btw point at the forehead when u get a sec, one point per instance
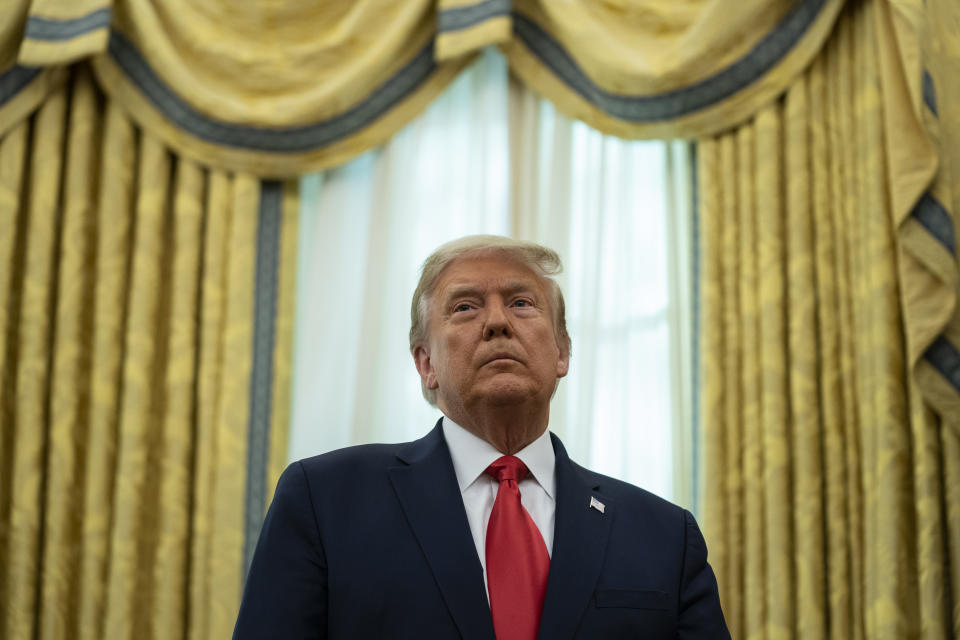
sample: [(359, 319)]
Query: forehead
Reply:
[(487, 272)]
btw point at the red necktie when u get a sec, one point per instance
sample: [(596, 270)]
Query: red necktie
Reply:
[(517, 558)]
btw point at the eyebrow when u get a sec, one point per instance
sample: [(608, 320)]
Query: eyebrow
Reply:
[(508, 288)]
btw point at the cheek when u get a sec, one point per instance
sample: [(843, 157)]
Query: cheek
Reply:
[(456, 347), (448, 357)]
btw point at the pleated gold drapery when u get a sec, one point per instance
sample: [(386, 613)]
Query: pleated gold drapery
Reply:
[(832, 504), (133, 298)]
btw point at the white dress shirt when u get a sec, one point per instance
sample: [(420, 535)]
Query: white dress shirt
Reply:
[(472, 455)]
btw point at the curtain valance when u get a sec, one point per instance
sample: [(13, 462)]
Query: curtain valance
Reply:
[(664, 69), (276, 88), (280, 88)]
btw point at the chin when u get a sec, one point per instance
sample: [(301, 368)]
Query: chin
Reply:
[(508, 394), (507, 400)]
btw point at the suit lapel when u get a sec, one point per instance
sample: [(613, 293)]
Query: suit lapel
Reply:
[(579, 544), (426, 486)]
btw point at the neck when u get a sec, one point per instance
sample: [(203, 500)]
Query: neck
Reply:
[(508, 428)]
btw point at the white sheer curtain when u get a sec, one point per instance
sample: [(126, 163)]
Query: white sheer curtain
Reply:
[(490, 157)]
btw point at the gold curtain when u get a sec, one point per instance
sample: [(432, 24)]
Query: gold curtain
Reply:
[(279, 88), (129, 399), (276, 89), (665, 69), (832, 506)]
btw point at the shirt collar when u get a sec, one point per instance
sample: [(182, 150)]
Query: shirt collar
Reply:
[(472, 455)]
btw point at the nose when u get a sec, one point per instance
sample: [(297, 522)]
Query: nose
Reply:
[(497, 323)]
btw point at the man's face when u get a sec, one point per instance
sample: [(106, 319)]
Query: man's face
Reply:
[(491, 336)]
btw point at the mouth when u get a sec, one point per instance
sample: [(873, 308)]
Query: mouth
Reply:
[(501, 358)]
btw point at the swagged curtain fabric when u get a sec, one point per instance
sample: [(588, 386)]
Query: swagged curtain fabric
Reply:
[(282, 88), (829, 303)]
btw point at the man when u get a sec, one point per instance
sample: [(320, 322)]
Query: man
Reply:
[(484, 527)]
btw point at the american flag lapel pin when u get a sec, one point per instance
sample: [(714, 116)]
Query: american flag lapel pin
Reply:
[(596, 504)]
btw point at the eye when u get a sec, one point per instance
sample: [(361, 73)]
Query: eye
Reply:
[(463, 306), (522, 303)]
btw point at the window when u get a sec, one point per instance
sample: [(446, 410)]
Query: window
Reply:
[(490, 157)]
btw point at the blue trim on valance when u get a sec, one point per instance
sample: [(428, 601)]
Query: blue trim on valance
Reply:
[(39, 28), (680, 102), (15, 79), (935, 219), (274, 140), (945, 358), (266, 293), (464, 17)]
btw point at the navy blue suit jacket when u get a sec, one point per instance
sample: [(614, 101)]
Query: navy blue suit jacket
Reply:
[(373, 542)]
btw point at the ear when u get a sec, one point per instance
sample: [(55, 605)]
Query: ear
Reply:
[(563, 362), (421, 357)]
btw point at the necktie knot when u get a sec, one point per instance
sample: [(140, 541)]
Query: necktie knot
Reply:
[(508, 468)]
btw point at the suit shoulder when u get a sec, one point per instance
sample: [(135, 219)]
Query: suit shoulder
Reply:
[(350, 460), (629, 495)]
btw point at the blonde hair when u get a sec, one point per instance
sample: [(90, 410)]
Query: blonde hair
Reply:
[(541, 260)]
